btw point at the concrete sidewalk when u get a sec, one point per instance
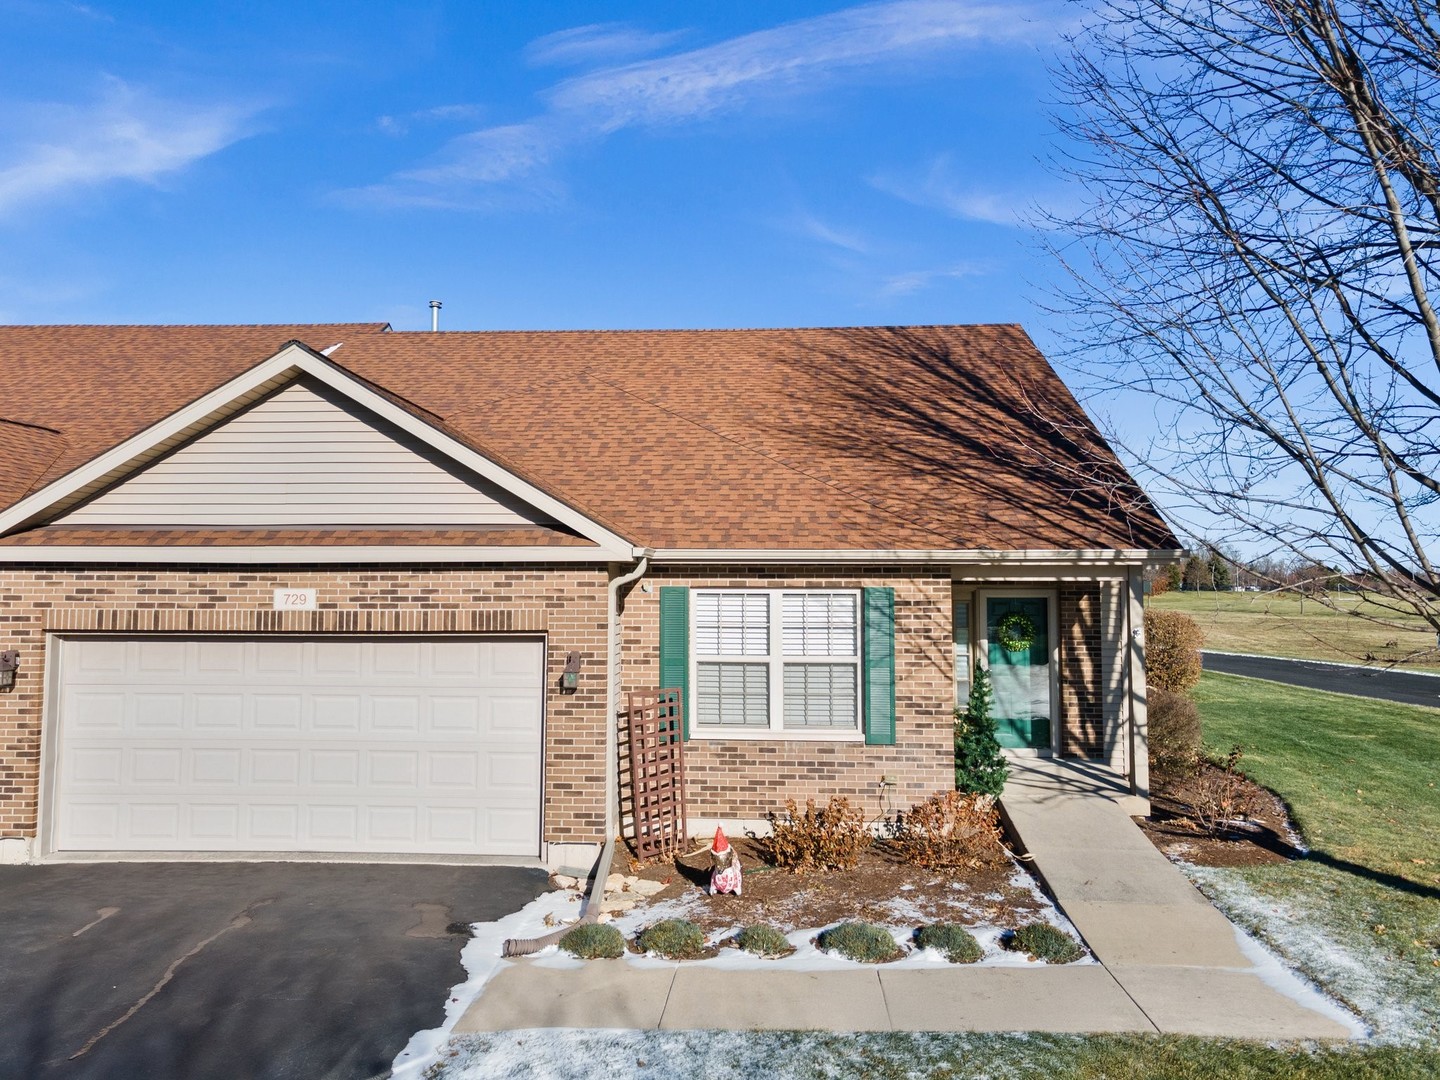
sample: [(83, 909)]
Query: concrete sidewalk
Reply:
[(1176, 957), (1169, 962)]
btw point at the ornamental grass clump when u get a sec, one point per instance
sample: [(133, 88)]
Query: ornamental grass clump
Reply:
[(764, 941), (674, 939), (860, 941), (830, 839), (953, 942), (591, 941), (1045, 942)]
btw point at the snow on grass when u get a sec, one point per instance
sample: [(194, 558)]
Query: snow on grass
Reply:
[(562, 1054), (1309, 931)]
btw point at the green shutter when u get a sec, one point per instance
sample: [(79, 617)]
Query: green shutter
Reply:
[(879, 661), (675, 644)]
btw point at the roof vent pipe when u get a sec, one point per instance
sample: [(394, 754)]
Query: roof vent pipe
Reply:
[(435, 306)]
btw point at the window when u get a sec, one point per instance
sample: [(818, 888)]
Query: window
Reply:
[(961, 635), (773, 661)]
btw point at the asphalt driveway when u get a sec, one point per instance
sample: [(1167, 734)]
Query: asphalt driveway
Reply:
[(232, 971), (1407, 687)]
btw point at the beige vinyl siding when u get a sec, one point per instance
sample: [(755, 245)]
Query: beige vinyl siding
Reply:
[(304, 457), (1113, 598)]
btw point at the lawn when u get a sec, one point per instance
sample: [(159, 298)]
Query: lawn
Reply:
[(1269, 624), (1361, 914)]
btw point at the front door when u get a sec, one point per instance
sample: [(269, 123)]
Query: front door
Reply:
[(1018, 639)]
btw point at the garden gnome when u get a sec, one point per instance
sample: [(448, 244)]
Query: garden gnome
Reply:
[(724, 866)]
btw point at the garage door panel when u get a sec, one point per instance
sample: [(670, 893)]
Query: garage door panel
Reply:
[(96, 710), (513, 717), (256, 745), (218, 712)]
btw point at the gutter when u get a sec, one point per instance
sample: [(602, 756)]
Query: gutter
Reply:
[(590, 908), (1097, 557)]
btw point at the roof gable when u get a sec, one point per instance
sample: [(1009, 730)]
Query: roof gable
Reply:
[(304, 457), (150, 480)]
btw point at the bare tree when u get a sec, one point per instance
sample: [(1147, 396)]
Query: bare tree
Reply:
[(1258, 257)]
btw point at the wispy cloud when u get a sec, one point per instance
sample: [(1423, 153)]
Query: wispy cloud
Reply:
[(802, 57), (915, 280), (126, 135), (808, 225), (437, 114), (598, 43), (937, 187)]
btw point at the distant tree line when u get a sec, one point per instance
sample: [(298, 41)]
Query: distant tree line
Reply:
[(1212, 570)]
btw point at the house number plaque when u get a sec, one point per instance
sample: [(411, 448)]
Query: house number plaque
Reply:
[(296, 600)]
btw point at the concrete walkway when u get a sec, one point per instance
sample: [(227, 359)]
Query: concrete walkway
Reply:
[(1169, 962)]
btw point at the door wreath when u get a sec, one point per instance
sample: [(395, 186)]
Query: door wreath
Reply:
[(1015, 632)]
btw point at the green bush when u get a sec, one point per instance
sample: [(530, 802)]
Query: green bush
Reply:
[(1174, 726), (980, 767), (1045, 942), (1172, 650), (955, 942), (865, 942), (591, 941), (674, 939), (764, 941)]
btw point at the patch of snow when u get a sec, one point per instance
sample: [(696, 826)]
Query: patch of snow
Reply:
[(1365, 980), (481, 960), (1274, 974)]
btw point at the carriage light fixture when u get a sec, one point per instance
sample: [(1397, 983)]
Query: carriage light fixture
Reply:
[(570, 677), (9, 663)]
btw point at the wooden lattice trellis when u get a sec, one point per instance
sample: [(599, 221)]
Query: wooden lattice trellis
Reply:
[(657, 771)]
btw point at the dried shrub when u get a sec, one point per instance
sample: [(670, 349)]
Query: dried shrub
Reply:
[(674, 939), (830, 839), (1172, 650), (950, 830), (1174, 734), (956, 943), (860, 941), (764, 941), (592, 941), (1041, 941), (1222, 795)]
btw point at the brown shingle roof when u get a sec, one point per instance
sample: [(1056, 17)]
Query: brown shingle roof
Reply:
[(859, 438)]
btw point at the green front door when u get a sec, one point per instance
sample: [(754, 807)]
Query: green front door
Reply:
[(1017, 630)]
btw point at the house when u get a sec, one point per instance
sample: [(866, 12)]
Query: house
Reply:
[(315, 588)]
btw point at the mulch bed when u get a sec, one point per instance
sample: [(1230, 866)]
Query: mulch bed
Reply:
[(883, 888), (1265, 837)]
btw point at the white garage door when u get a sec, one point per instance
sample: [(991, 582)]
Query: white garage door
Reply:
[(273, 744)]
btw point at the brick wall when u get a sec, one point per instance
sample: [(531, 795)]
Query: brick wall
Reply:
[(735, 778), (565, 603), (1082, 705)]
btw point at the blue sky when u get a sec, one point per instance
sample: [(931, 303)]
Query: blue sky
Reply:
[(552, 165)]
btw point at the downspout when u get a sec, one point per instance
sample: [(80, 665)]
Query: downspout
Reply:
[(590, 908)]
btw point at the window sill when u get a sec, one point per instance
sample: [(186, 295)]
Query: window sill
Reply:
[(772, 735)]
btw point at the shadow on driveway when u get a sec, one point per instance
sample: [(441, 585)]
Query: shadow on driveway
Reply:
[(233, 970)]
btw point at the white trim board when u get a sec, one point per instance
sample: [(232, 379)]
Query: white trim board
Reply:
[(289, 554), (289, 363), (986, 562)]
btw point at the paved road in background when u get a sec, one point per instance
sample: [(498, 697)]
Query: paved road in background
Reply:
[(1402, 686), (232, 971)]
